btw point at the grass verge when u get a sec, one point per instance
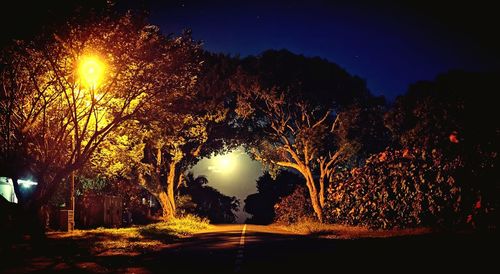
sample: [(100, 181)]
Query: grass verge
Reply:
[(136, 239), (336, 231)]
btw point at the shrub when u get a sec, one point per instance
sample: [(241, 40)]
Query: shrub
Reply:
[(398, 188), (294, 207)]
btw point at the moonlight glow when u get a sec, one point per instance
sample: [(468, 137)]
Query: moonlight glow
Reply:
[(224, 164)]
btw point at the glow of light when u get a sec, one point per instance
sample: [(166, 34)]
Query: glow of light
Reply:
[(26, 183), (91, 71), (224, 164)]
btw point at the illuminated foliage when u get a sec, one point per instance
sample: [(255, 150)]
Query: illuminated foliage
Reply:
[(170, 135), (398, 188), (293, 208), (60, 117)]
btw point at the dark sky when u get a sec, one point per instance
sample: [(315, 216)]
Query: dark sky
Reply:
[(389, 45)]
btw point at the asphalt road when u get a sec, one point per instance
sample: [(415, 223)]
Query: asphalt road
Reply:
[(262, 249)]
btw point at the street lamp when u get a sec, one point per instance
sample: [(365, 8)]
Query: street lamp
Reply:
[(90, 71), (90, 74)]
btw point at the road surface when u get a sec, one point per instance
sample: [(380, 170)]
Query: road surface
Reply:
[(263, 249)]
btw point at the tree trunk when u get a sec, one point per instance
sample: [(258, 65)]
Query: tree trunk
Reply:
[(166, 206), (167, 197), (322, 191), (315, 203), (313, 194), (171, 185)]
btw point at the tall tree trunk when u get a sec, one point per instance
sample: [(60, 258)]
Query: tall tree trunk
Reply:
[(166, 206), (167, 197), (171, 184), (314, 195)]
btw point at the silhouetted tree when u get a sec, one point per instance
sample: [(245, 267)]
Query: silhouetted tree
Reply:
[(269, 191)]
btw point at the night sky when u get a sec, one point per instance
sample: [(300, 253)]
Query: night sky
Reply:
[(388, 45)]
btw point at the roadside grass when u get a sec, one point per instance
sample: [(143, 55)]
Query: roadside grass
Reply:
[(337, 231), (179, 227), (133, 240)]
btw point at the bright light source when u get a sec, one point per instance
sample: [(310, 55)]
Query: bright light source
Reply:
[(91, 71), (224, 164), (26, 183)]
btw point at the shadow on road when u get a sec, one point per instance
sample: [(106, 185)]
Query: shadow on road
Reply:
[(264, 252)]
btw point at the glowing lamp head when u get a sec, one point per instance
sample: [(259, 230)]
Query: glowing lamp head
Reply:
[(90, 71)]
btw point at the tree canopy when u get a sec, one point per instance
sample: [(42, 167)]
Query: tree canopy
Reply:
[(52, 120)]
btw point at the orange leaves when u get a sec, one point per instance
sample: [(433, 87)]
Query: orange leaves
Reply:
[(406, 153), (355, 171), (382, 156)]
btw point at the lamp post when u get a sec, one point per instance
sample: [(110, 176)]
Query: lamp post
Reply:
[(90, 72)]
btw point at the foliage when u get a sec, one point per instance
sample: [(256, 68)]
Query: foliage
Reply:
[(171, 134), (52, 120), (398, 188), (202, 200), (454, 102), (452, 114), (269, 191), (294, 207), (315, 80)]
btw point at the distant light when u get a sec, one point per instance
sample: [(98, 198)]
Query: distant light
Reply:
[(26, 183), (224, 164)]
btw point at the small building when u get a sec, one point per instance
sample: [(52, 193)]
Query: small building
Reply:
[(99, 211), (7, 189)]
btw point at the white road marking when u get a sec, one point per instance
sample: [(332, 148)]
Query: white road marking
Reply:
[(242, 238), (241, 247)]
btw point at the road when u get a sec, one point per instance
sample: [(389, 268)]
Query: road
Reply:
[(263, 249)]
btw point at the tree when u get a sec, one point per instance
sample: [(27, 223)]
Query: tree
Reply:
[(298, 136), (58, 117), (170, 136), (452, 114), (309, 132)]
